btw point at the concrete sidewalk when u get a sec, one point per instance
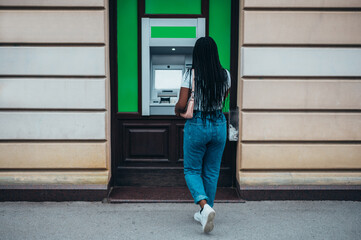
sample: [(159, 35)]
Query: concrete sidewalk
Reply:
[(339, 220)]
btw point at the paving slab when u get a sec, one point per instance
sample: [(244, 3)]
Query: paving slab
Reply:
[(339, 220)]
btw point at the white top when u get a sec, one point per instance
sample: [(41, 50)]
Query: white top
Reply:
[(187, 82)]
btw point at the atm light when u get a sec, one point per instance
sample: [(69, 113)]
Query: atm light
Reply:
[(173, 49)]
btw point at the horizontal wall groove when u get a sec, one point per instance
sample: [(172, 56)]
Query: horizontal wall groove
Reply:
[(302, 187), (302, 170), (301, 46), (58, 44), (298, 9), (287, 45), (54, 170), (52, 76), (79, 110), (252, 142), (300, 78), (303, 110), (51, 8), (245, 76), (50, 169), (18, 141), (54, 186), (299, 142), (55, 110)]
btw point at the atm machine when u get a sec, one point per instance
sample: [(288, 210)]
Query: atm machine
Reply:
[(167, 47)]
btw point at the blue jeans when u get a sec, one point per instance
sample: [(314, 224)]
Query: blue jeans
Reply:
[(203, 146)]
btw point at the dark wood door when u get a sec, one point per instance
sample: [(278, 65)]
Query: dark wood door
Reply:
[(149, 152)]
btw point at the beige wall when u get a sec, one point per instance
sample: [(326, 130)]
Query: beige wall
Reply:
[(54, 94), (299, 93)]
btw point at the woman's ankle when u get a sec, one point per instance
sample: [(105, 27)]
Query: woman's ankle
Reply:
[(202, 203)]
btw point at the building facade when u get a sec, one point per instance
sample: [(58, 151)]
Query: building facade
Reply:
[(299, 95), (70, 102)]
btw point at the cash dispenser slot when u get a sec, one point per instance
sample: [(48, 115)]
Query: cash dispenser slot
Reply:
[(167, 93)]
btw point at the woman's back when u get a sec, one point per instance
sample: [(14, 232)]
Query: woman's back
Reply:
[(216, 105), (210, 78), (212, 81)]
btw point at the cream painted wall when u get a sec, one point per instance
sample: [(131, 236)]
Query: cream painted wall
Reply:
[(299, 116), (299, 93), (54, 94)]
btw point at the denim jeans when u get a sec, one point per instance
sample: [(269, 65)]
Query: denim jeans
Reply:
[(203, 146)]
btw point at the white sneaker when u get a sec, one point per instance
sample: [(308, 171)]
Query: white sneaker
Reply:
[(207, 217), (198, 216)]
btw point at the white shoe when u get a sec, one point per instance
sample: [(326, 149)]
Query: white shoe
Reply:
[(207, 217), (198, 216)]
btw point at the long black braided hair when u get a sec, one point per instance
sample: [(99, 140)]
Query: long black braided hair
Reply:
[(210, 77)]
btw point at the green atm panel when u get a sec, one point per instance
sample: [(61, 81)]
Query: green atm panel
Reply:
[(127, 39), (127, 46), (220, 31)]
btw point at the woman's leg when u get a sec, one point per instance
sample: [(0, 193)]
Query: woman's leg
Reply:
[(212, 161), (194, 149), (196, 141)]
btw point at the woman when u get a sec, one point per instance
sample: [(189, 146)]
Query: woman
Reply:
[(205, 134)]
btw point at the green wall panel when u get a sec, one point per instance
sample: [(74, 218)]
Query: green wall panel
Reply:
[(220, 31), (127, 30), (173, 7), (173, 32)]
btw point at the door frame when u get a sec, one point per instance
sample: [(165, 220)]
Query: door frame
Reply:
[(113, 64)]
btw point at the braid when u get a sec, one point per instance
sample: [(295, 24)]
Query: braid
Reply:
[(210, 77)]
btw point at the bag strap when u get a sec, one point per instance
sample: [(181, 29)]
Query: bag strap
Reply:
[(192, 92)]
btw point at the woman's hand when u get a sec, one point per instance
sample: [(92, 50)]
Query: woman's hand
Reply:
[(176, 113)]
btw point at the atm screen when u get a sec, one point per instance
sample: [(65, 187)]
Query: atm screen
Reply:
[(167, 79)]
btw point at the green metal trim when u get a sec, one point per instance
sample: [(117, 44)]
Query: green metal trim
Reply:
[(173, 6), (173, 32)]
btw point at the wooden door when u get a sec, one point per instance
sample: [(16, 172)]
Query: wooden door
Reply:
[(150, 153)]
